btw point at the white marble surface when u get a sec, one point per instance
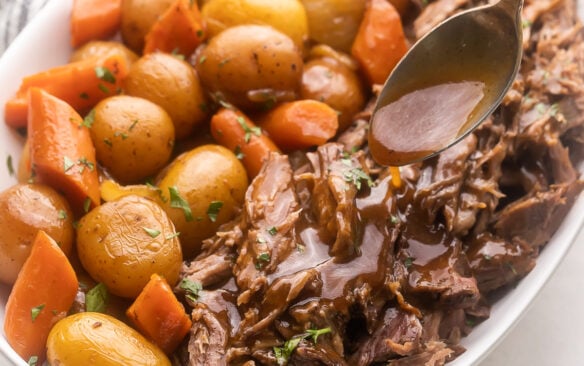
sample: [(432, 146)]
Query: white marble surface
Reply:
[(551, 333)]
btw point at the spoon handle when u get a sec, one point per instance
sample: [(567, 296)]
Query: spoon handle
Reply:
[(511, 7)]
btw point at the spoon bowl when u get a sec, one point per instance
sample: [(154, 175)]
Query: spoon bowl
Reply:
[(478, 47)]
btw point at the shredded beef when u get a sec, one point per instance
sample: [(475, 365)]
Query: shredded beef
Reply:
[(397, 272)]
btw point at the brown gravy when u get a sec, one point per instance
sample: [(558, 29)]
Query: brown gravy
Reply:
[(423, 121)]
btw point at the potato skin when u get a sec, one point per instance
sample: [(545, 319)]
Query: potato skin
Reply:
[(287, 16), (98, 339), (138, 16), (203, 175), (245, 61), (100, 49), (172, 84), (330, 81), (115, 248), (133, 137), (24, 210)]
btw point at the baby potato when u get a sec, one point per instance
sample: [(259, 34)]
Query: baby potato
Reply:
[(332, 82), (123, 242), (172, 84), (202, 189), (99, 339), (334, 22), (133, 137), (251, 65), (138, 16), (287, 16), (24, 210), (102, 48)]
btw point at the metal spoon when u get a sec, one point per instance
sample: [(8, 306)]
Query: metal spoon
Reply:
[(481, 46)]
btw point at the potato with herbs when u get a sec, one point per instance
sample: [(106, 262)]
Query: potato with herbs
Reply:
[(24, 210), (202, 189), (172, 84), (99, 339), (133, 137), (138, 16), (331, 81), (123, 242), (251, 66), (287, 16)]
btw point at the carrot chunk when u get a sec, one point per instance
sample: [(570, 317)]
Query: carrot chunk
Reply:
[(81, 84), (238, 133), (62, 154), (43, 293), (94, 19), (180, 29), (159, 316), (380, 42), (300, 124)]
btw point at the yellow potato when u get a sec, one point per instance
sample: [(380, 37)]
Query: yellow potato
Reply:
[(334, 22), (24, 210), (201, 177), (123, 242), (287, 16), (138, 16), (100, 339), (332, 82), (133, 137), (172, 84), (102, 48), (249, 65)]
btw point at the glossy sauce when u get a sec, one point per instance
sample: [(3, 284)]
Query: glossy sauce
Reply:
[(423, 121)]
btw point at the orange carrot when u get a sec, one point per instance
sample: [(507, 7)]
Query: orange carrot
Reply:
[(81, 84), (43, 293), (236, 132), (159, 316), (300, 124), (180, 29), (61, 151), (94, 19), (380, 42)]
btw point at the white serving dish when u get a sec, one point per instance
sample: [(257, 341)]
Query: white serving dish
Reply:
[(45, 43)]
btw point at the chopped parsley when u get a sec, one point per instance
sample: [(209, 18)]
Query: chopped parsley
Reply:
[(176, 201), (103, 88), (133, 125), (172, 236), (86, 163), (35, 312), (33, 360), (67, 163), (273, 231), (108, 142), (86, 205), (213, 210), (248, 130), (84, 95), (408, 262), (89, 119), (62, 215), (104, 74), (238, 153), (9, 165), (202, 59), (96, 299), (123, 135), (283, 353), (191, 288), (357, 176), (152, 232)]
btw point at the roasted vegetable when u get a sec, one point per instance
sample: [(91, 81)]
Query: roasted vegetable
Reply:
[(123, 242)]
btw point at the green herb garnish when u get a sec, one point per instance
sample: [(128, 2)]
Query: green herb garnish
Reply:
[(248, 130), (9, 165), (213, 210), (104, 74), (152, 232), (35, 312), (96, 299), (191, 288), (177, 201)]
